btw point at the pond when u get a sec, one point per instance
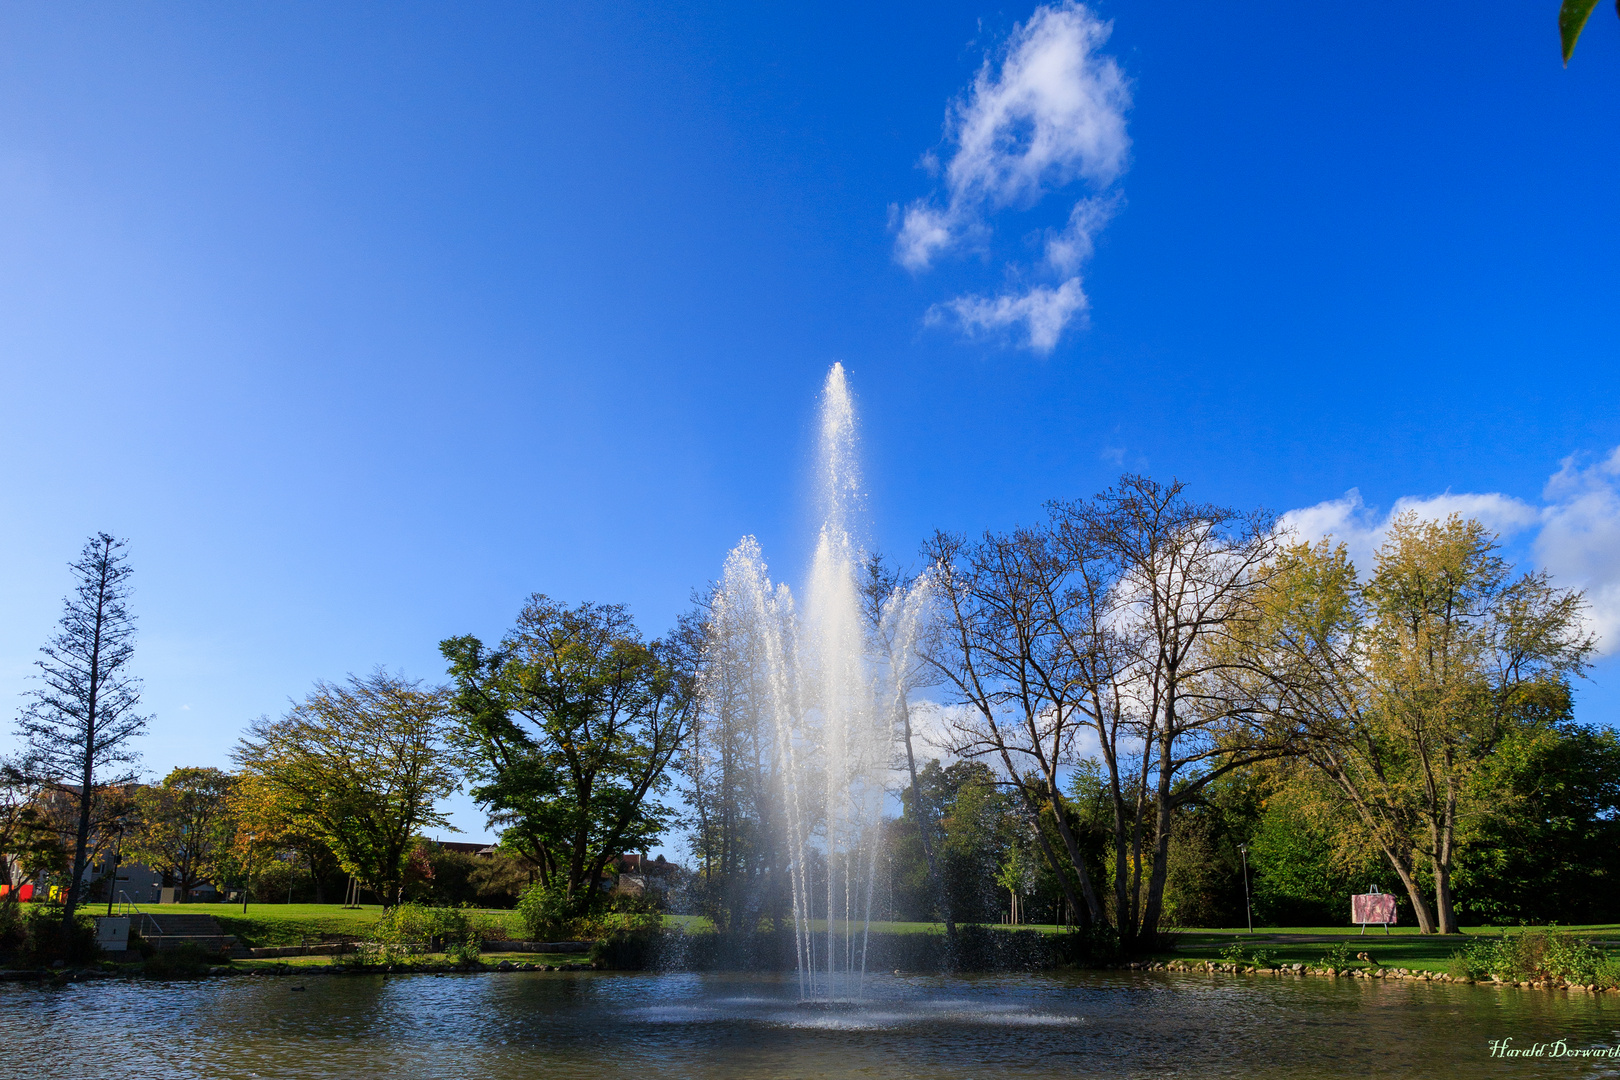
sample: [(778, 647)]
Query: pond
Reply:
[(610, 1025)]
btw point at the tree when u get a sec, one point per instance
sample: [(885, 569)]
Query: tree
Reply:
[(360, 766), (568, 727), (1548, 850), (20, 834), (184, 827), (1001, 645), (1400, 690), (894, 609), (1107, 621), (79, 725), (729, 767)]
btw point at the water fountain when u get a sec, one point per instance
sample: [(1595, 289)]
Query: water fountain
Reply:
[(831, 687)]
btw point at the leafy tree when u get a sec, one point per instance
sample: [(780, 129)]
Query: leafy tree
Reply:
[(1399, 691), (184, 827), (79, 725), (1549, 850), (21, 837), (730, 773), (568, 728), (361, 766)]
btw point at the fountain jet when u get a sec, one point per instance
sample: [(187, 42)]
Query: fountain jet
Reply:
[(828, 686)]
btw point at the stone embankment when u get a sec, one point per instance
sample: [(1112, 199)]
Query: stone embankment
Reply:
[(1394, 974)]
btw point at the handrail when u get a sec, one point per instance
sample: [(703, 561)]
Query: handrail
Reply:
[(127, 906)]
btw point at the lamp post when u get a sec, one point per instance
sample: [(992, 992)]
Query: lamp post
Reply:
[(247, 872), (118, 857), (1248, 908)]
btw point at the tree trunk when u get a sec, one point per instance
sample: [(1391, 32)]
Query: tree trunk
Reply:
[(1075, 855), (1420, 907), (1445, 915), (1149, 930)]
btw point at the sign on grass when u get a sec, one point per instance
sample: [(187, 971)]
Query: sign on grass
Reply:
[(1373, 907)]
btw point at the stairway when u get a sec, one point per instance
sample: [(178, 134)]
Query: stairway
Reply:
[(173, 931)]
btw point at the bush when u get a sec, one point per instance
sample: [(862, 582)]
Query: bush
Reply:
[(13, 931), (1338, 957), (546, 912), (435, 927), (1535, 955), (185, 962), (37, 930)]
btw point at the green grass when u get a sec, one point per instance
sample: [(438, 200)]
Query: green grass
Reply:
[(299, 924), (1408, 950), (431, 960)]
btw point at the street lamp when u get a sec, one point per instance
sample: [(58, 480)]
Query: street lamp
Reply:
[(1243, 850), (247, 872), (118, 857)]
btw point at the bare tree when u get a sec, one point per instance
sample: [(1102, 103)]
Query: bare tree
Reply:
[(1106, 624), (997, 647), (1187, 576), (80, 722)]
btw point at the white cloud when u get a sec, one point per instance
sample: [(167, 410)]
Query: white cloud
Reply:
[(1042, 311), (1068, 248), (1576, 531), (1579, 542), (1045, 113)]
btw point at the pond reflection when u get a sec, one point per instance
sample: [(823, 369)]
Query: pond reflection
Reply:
[(611, 1025)]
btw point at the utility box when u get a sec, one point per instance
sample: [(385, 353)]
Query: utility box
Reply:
[(168, 896), (112, 933)]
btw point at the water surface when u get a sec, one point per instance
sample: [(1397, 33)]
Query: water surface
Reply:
[(610, 1025)]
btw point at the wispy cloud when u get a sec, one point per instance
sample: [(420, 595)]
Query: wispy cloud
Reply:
[(1575, 532), (1042, 312), (1044, 113)]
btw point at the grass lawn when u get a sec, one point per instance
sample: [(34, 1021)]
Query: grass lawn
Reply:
[(1310, 944), (301, 924)]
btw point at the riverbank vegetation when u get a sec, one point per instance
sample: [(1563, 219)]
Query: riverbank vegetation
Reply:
[(1140, 715)]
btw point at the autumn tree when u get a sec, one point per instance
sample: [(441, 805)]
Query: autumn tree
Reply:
[(568, 727), (359, 765), (1399, 690), (20, 833), (184, 826), (80, 722)]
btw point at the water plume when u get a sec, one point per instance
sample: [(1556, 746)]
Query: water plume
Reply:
[(827, 686)]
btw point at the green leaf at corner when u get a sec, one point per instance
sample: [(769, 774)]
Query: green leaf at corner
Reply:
[(1571, 19)]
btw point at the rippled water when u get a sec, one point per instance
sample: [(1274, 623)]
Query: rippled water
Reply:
[(605, 1025)]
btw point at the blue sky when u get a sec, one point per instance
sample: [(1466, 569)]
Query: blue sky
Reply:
[(362, 322)]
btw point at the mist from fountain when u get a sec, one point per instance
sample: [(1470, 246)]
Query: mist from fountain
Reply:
[(829, 689)]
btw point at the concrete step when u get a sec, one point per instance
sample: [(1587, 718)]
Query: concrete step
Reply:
[(211, 943), (148, 924)]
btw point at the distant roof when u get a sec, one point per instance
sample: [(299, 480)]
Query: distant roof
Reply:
[(465, 848)]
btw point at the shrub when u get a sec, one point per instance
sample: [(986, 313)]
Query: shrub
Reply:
[(1536, 954), (185, 962), (43, 942), (385, 953), (13, 931), (545, 911)]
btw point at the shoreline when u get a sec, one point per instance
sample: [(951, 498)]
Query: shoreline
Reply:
[(1394, 974), (505, 967)]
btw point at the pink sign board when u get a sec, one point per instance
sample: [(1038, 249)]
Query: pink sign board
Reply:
[(1373, 908)]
